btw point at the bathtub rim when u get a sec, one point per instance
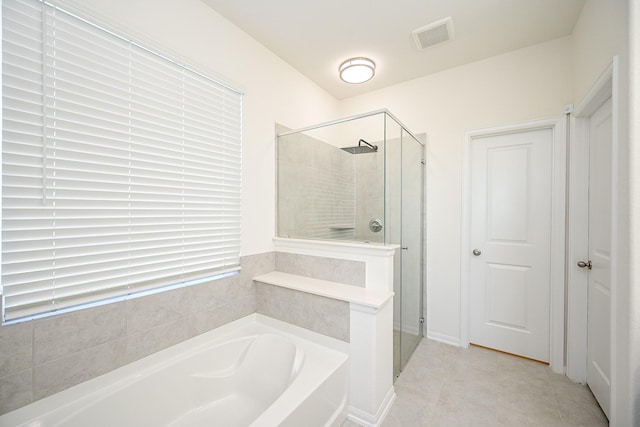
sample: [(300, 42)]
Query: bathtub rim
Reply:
[(254, 323)]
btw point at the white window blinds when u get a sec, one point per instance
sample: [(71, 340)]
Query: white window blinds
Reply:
[(120, 167)]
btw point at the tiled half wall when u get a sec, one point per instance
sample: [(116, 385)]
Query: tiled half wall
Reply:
[(41, 357)]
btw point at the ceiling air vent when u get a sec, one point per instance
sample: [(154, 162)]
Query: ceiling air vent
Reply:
[(434, 33)]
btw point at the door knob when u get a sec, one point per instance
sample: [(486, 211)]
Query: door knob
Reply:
[(477, 252), (583, 264)]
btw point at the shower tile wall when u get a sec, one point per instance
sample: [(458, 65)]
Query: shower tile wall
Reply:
[(370, 193), (316, 189), (41, 357), (331, 269)]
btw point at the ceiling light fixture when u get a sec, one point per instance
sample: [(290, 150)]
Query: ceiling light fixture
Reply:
[(357, 70)]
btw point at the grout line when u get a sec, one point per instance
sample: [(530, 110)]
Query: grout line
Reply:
[(33, 361)]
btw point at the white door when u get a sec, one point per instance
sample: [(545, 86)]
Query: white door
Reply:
[(599, 295), (510, 267)]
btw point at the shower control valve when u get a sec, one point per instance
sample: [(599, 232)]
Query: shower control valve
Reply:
[(375, 225)]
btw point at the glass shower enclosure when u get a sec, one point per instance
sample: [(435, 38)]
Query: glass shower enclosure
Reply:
[(360, 179)]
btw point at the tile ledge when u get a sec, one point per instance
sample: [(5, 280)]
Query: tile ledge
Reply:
[(327, 247), (352, 294)]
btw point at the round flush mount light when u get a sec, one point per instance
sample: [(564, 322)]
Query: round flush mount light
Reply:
[(357, 70)]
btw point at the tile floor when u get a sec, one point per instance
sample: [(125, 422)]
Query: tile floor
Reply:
[(445, 386)]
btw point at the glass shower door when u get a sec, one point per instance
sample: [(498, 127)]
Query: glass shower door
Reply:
[(404, 213), (412, 193), (393, 232)]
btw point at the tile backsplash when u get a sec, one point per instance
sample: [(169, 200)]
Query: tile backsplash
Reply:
[(332, 269), (319, 314), (41, 357)]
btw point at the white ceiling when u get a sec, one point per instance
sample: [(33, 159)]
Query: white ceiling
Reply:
[(316, 36)]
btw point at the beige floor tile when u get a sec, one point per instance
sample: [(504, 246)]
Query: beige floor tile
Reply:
[(446, 386), (349, 423), (411, 407), (511, 418)]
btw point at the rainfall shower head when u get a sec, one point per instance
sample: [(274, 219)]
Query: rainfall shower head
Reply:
[(367, 148)]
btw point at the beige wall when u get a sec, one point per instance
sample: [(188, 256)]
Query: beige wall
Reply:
[(523, 85), (599, 34)]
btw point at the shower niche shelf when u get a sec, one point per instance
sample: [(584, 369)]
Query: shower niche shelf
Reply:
[(338, 227)]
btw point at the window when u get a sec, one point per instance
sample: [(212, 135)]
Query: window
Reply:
[(120, 167)]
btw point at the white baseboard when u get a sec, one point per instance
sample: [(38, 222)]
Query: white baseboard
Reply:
[(369, 420), (446, 339)]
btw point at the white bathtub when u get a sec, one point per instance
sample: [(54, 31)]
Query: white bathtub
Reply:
[(254, 372)]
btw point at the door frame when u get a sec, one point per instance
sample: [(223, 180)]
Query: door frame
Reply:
[(606, 86), (558, 204)]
